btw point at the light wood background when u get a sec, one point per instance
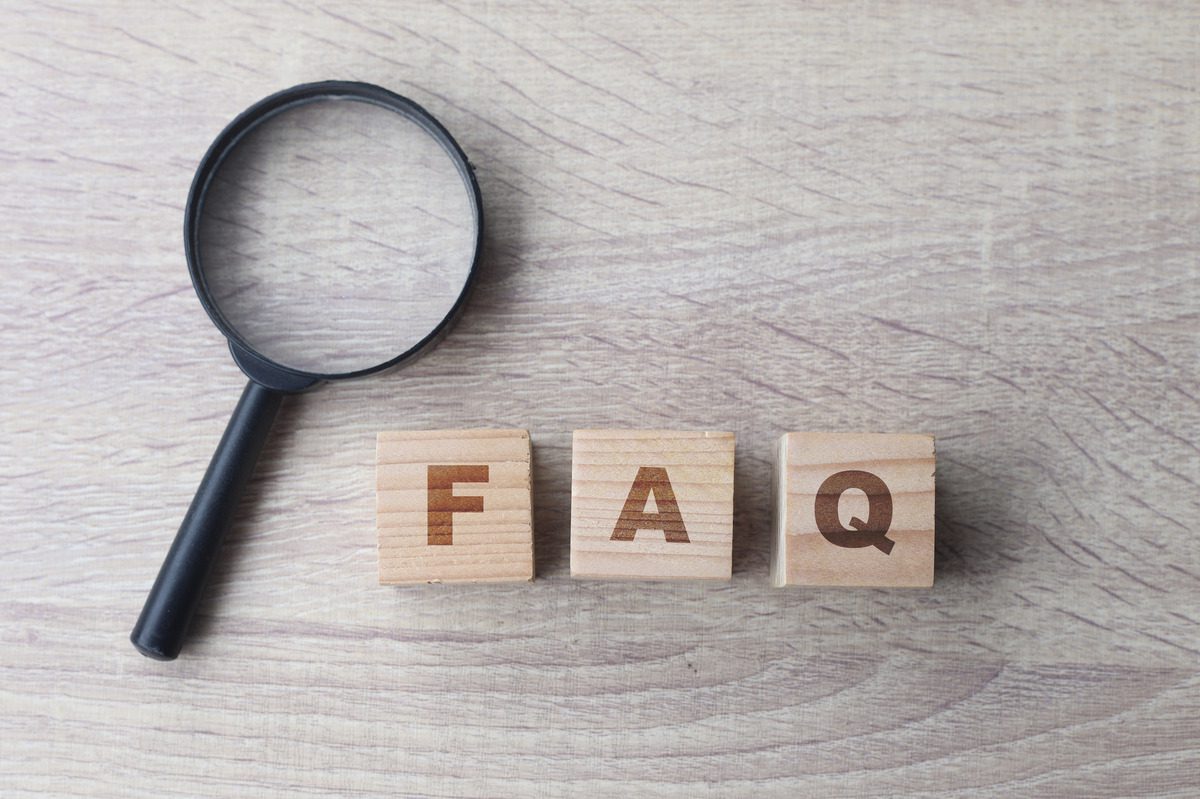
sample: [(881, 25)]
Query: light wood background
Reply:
[(975, 220)]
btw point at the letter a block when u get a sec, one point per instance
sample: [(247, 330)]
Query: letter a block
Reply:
[(853, 509), (454, 506), (652, 504)]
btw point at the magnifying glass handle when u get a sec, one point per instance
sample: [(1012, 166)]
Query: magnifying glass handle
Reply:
[(161, 628)]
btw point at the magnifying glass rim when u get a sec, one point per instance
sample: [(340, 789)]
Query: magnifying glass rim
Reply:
[(285, 100)]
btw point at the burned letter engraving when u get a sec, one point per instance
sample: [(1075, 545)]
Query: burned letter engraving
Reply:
[(651, 479), (443, 504), (872, 532)]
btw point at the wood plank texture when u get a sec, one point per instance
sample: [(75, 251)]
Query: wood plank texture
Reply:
[(652, 504), (454, 506), (872, 492), (972, 219)]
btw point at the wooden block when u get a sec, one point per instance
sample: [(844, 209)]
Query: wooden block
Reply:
[(652, 504), (853, 509), (454, 506)]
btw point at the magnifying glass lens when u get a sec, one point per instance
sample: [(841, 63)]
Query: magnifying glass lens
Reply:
[(335, 236)]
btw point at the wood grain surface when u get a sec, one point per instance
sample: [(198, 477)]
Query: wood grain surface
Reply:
[(975, 220)]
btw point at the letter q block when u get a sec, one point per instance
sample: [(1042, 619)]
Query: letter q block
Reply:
[(853, 509), (652, 505), (454, 506)]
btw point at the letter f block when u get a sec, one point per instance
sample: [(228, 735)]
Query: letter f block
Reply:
[(454, 506), (652, 505)]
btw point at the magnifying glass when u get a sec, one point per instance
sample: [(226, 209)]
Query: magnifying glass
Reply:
[(332, 231)]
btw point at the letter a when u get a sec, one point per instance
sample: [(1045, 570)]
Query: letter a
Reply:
[(443, 504), (634, 517)]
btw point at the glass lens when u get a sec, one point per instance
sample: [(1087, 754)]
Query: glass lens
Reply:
[(336, 235)]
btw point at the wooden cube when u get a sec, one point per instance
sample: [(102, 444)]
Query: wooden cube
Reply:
[(853, 509), (652, 504), (454, 506)]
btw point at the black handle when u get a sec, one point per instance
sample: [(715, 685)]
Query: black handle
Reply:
[(161, 628)]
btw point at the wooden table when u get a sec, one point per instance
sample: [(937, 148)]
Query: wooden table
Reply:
[(973, 221)]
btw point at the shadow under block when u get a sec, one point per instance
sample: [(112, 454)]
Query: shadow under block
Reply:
[(652, 505), (454, 506), (853, 509)]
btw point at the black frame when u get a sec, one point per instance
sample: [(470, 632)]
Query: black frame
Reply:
[(225, 143)]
